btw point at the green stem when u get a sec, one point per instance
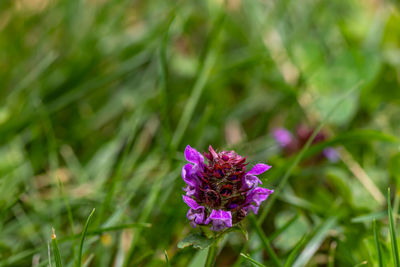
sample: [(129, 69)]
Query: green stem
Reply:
[(212, 254)]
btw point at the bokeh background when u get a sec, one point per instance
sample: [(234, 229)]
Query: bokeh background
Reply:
[(99, 99)]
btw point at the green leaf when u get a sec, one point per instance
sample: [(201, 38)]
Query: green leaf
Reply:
[(197, 240), (393, 237)]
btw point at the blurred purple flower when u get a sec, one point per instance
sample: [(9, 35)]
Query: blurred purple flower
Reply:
[(292, 143), (331, 154), (282, 136), (222, 192)]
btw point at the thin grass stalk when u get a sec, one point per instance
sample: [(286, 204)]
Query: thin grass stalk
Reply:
[(56, 251), (377, 244), (393, 236), (294, 253), (78, 262), (255, 263)]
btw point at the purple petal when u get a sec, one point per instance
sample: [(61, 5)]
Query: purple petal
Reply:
[(220, 220), (251, 207), (250, 181), (196, 217), (258, 195), (193, 156), (282, 136), (191, 203), (190, 191), (196, 213), (258, 169), (187, 175), (212, 152)]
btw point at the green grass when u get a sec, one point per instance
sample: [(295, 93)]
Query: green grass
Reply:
[(378, 245), (99, 99), (393, 235)]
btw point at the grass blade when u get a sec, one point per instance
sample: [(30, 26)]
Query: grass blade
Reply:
[(378, 246), (166, 258), (48, 254), (315, 242), (284, 227), (332, 253), (67, 206), (88, 261), (69, 213), (79, 260), (256, 263), (393, 239), (295, 251), (369, 217), (265, 242), (56, 251)]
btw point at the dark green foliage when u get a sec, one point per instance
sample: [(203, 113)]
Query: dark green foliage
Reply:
[(99, 98)]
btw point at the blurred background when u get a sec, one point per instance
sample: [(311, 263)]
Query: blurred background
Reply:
[(99, 99)]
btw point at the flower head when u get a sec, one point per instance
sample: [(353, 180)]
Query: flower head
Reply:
[(222, 192)]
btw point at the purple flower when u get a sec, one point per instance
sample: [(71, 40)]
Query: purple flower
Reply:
[(221, 192), (292, 143), (331, 154), (282, 136)]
